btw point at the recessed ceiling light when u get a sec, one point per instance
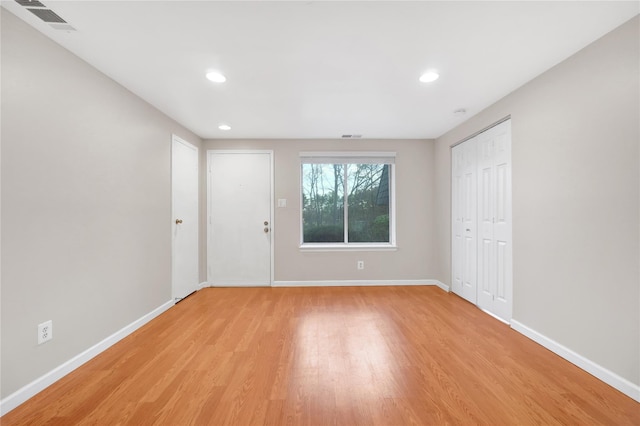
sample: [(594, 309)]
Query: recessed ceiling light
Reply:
[(216, 77), (429, 76), (224, 127)]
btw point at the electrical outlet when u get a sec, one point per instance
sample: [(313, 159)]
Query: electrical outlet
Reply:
[(45, 332), (360, 264)]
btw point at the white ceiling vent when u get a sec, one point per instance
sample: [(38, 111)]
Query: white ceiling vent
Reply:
[(46, 15), (30, 3)]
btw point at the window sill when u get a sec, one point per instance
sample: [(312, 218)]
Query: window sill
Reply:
[(347, 247)]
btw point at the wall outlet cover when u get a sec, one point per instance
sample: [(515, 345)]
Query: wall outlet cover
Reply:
[(45, 332)]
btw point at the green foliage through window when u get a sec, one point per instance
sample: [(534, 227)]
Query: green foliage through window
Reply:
[(345, 203)]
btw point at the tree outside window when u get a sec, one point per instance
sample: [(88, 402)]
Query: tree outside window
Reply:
[(346, 203)]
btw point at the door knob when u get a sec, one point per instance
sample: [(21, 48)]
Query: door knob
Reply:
[(266, 229), (178, 221), (266, 223)]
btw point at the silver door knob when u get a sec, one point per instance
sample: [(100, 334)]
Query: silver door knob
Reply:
[(266, 229), (266, 223), (178, 221)]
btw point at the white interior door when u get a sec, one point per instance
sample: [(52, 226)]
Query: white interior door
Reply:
[(184, 202), (495, 271), (464, 220), (481, 263), (457, 234), (486, 219), (240, 211)]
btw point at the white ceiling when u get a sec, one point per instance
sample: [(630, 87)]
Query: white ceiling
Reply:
[(319, 69)]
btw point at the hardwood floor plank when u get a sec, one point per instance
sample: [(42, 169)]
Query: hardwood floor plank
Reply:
[(326, 356)]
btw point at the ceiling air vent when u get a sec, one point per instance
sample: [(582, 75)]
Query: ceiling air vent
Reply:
[(30, 3), (47, 15)]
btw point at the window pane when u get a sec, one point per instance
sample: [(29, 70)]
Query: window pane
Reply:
[(368, 203), (323, 203)]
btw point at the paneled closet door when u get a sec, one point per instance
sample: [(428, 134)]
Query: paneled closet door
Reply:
[(457, 153), (464, 215), (481, 220), (495, 280)]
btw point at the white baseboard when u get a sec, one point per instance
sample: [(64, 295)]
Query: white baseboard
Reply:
[(442, 285), (494, 315), (28, 391), (358, 283), (620, 383)]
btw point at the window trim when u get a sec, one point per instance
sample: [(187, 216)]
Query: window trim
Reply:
[(351, 157)]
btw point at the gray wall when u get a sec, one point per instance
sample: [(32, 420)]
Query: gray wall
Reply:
[(414, 258), (86, 204), (576, 197)]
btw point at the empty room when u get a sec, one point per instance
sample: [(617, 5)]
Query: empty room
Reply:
[(437, 207)]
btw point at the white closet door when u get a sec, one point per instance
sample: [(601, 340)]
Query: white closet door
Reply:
[(481, 265), (494, 221), (503, 247), (486, 183), (464, 269), (457, 234)]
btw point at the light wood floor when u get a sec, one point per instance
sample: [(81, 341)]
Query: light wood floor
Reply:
[(321, 356)]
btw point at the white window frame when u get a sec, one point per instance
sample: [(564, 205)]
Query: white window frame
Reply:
[(352, 158)]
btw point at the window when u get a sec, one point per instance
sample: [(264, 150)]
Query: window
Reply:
[(347, 199)]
